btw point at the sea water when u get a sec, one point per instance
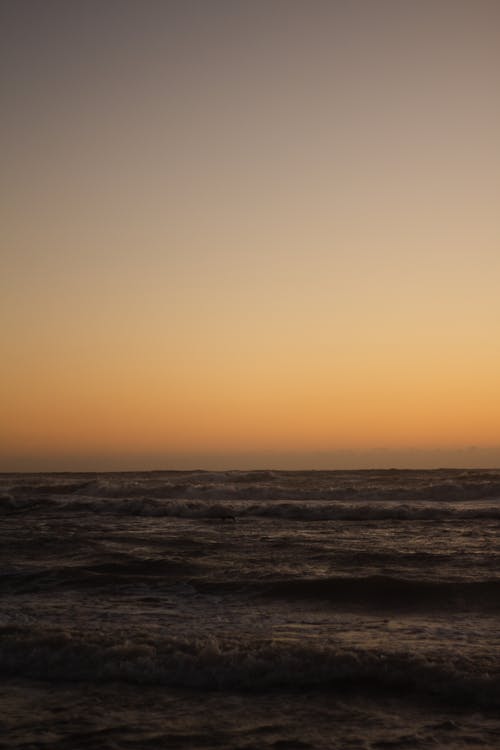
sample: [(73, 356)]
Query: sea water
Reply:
[(262, 609)]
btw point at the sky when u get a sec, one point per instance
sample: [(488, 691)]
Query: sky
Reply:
[(243, 234)]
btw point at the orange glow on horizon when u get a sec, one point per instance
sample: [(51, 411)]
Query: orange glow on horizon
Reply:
[(226, 234)]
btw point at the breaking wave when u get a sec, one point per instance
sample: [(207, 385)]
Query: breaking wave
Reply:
[(308, 486), (231, 509), (212, 664)]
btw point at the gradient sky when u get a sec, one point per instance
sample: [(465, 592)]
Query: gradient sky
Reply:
[(249, 233)]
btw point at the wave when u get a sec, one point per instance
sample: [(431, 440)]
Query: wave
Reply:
[(386, 591), (327, 486), (229, 490), (99, 575), (232, 509), (249, 665), (374, 592)]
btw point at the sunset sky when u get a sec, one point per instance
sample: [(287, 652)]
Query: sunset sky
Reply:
[(249, 233)]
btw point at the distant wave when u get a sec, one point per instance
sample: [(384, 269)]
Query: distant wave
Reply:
[(258, 486), (452, 491), (258, 665), (233, 509)]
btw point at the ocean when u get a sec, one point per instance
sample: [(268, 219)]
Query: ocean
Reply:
[(250, 610)]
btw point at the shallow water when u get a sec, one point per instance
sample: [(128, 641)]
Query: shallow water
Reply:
[(250, 609)]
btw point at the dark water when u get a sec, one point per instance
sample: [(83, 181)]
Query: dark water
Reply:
[(250, 610)]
